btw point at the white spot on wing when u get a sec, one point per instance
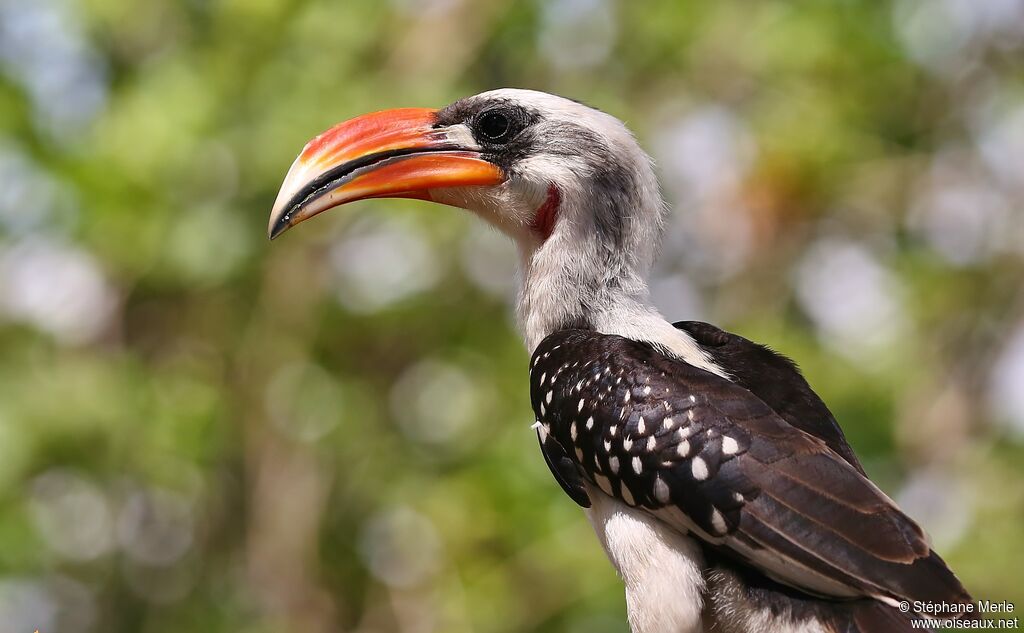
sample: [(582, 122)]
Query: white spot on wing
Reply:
[(652, 443), (683, 449), (547, 398), (661, 492), (667, 423), (638, 466), (613, 463), (641, 426), (627, 443), (699, 468), (718, 521), (590, 423), (729, 445)]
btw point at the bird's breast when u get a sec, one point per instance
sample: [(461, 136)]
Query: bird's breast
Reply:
[(660, 567)]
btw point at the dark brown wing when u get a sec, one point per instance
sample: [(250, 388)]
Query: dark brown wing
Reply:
[(776, 381), (707, 456)]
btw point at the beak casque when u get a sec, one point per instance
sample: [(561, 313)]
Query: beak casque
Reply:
[(389, 154)]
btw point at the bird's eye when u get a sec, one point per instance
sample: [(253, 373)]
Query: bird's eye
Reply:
[(494, 126)]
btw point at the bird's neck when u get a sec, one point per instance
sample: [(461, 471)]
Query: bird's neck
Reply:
[(561, 290), (569, 281)]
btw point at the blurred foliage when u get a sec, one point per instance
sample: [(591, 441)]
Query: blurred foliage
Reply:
[(200, 432)]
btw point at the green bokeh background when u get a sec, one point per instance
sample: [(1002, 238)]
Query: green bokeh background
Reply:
[(203, 432)]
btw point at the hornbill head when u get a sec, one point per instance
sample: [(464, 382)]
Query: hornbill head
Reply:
[(532, 164)]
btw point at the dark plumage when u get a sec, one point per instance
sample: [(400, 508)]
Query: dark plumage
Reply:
[(774, 379), (768, 481)]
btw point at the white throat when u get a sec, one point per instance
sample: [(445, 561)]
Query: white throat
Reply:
[(567, 282)]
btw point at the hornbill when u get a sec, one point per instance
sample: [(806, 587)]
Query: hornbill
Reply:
[(718, 483)]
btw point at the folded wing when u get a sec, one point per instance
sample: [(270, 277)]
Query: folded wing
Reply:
[(709, 457)]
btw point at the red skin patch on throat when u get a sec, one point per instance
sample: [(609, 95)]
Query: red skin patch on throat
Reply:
[(544, 220)]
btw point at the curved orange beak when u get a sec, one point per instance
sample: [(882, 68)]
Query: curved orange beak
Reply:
[(389, 154)]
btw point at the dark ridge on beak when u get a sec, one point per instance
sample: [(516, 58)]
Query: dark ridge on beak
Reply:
[(332, 178)]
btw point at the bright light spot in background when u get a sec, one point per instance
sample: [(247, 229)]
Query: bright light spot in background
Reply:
[(704, 158), (401, 547), (947, 36), (381, 262), (26, 605), (56, 288), (30, 199), (577, 33), (72, 515), (676, 297), (1006, 391), (437, 402), (705, 154), (852, 299), (304, 401), (154, 526), (999, 132), (489, 260), (55, 605), (42, 47), (961, 215), (156, 529), (941, 502)]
